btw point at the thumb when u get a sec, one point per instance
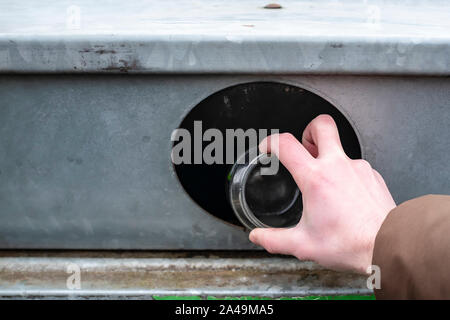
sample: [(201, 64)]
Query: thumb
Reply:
[(276, 240)]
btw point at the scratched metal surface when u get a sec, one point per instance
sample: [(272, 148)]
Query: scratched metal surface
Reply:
[(185, 36), (144, 275), (85, 159)]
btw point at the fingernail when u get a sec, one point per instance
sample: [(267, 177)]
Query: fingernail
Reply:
[(263, 145), (251, 236)]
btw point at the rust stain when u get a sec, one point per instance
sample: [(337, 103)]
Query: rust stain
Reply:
[(273, 6), (98, 51), (124, 66), (102, 51), (183, 270), (170, 279)]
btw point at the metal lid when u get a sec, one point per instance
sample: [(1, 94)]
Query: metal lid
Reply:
[(214, 36)]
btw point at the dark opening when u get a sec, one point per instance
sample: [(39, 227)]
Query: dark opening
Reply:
[(257, 105)]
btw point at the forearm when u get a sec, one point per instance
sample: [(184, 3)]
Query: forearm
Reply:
[(412, 249)]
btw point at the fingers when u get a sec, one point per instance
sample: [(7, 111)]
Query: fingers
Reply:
[(289, 241), (311, 147), (275, 240), (322, 137), (290, 152)]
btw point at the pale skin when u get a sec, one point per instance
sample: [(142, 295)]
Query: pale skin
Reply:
[(345, 201)]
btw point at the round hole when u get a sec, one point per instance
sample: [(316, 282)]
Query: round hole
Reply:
[(257, 105)]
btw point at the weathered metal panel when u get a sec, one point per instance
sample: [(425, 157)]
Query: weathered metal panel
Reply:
[(328, 36), (85, 159), (145, 275)]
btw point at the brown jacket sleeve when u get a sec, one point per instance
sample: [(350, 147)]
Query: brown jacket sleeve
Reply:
[(412, 249)]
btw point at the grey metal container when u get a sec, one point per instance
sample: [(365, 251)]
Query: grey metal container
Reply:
[(90, 93)]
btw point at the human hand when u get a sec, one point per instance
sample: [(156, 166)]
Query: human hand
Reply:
[(345, 201)]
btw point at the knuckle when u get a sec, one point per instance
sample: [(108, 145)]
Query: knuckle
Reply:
[(303, 253), (362, 164), (269, 246), (323, 120), (269, 249), (318, 180), (313, 171), (336, 157), (377, 174)]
